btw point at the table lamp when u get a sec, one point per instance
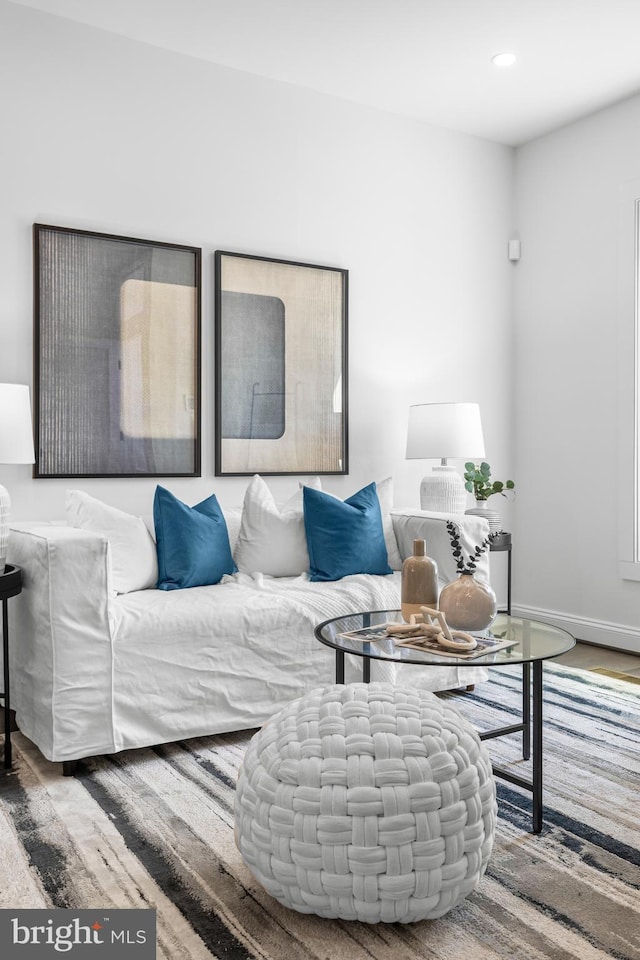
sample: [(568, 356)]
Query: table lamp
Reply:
[(444, 431), (16, 446)]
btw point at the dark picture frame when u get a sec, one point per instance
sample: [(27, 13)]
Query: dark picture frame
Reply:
[(281, 366), (117, 325)]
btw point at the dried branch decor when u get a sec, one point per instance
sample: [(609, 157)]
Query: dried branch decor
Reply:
[(469, 565)]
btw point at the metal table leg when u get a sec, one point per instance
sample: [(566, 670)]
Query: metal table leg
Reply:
[(339, 666), (366, 663), (527, 728), (6, 699), (526, 710), (537, 746), (366, 668)]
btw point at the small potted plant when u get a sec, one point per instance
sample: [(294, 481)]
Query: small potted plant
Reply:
[(478, 482)]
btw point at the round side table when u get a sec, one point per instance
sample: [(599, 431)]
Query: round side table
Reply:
[(10, 586), (530, 644)]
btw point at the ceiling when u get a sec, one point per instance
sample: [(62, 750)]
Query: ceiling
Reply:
[(426, 59)]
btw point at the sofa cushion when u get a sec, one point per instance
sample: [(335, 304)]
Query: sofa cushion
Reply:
[(133, 554), (344, 537), (272, 538), (384, 490), (192, 542), (233, 518)]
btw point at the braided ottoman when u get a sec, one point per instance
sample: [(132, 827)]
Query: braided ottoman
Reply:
[(367, 802)]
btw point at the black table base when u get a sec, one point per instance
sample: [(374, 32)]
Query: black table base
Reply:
[(527, 727), (10, 586)]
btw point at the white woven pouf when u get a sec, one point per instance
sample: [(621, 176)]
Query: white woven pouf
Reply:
[(367, 802)]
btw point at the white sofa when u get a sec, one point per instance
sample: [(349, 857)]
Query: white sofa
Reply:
[(94, 672)]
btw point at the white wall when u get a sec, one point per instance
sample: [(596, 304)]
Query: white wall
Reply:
[(103, 133), (567, 372)]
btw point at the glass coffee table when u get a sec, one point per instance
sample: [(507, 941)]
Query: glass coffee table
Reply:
[(533, 642)]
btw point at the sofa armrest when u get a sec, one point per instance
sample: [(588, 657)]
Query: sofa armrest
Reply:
[(61, 645), (410, 524)]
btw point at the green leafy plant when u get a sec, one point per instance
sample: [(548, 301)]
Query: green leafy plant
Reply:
[(478, 481)]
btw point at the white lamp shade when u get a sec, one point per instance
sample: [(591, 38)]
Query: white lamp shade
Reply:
[(445, 430), (16, 431), (16, 446)]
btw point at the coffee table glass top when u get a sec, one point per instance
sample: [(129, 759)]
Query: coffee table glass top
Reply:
[(532, 640)]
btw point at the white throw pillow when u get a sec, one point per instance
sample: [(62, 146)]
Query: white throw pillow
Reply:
[(272, 539), (134, 562), (385, 496), (233, 518)]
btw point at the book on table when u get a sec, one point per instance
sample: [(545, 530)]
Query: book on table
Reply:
[(428, 644)]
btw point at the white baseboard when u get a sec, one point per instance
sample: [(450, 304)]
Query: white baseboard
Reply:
[(617, 635)]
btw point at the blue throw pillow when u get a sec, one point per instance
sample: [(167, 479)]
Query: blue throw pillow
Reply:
[(344, 536), (192, 542)]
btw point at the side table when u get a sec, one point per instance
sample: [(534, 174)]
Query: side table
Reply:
[(500, 543), (10, 586)]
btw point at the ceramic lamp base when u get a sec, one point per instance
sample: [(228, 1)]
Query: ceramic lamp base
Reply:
[(443, 491)]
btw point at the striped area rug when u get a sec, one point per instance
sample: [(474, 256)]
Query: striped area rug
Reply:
[(154, 827)]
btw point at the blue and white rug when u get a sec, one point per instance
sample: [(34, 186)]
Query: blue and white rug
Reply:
[(154, 828)]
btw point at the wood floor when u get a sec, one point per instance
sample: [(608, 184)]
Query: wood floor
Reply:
[(586, 656)]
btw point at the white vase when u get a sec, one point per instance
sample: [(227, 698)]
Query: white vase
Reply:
[(481, 509)]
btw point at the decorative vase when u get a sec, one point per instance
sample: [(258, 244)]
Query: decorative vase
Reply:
[(481, 509), (468, 604), (419, 581)]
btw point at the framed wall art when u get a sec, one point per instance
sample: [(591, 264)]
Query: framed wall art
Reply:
[(117, 356), (281, 366)]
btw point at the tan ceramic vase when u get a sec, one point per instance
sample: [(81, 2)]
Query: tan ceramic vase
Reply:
[(419, 581), (468, 604)]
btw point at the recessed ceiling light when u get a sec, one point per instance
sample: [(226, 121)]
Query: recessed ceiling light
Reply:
[(503, 59)]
